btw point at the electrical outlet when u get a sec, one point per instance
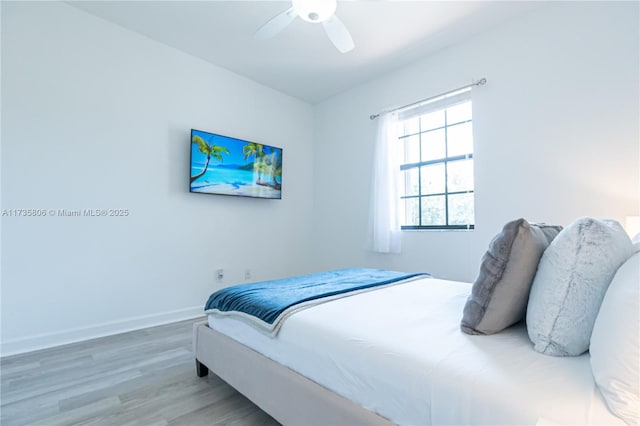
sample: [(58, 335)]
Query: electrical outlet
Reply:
[(219, 274), (247, 274)]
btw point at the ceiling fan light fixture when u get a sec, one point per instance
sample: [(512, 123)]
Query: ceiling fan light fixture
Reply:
[(315, 11)]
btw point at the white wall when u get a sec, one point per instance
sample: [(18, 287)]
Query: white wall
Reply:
[(556, 134), (94, 116)]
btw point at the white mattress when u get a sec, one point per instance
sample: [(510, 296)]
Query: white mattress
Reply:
[(399, 352)]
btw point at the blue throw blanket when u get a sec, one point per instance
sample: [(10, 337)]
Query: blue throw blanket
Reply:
[(267, 303)]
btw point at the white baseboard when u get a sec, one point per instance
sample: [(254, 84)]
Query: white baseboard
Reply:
[(74, 335)]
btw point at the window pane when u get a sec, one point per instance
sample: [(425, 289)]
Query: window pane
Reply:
[(460, 139), (432, 179), (459, 113), (412, 126), (432, 120), (411, 212), (429, 142), (433, 211), (411, 186), (461, 209), (460, 175), (411, 149), (433, 145)]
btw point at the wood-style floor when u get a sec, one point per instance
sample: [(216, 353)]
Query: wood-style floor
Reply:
[(145, 377)]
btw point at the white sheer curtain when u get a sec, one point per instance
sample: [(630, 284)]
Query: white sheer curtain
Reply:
[(385, 208)]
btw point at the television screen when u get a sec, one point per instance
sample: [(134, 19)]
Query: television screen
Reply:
[(229, 166)]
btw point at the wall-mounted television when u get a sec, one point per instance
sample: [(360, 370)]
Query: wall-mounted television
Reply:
[(229, 166)]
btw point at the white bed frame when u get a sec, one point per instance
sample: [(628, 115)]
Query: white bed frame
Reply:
[(287, 396)]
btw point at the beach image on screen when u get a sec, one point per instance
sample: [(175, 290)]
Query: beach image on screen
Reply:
[(229, 166)]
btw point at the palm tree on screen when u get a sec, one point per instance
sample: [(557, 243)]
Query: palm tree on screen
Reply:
[(210, 150), (276, 170), (257, 151)]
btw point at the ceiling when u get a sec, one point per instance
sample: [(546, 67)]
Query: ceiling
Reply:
[(301, 61)]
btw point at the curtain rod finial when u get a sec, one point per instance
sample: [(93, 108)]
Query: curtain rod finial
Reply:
[(373, 116)]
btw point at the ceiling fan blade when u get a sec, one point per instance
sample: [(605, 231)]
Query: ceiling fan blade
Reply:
[(275, 24), (338, 34)]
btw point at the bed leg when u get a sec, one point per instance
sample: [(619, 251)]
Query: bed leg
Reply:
[(201, 369)]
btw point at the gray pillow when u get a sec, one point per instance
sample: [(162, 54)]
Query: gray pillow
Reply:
[(500, 292), (572, 279)]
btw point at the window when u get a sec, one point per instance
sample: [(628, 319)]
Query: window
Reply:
[(436, 144)]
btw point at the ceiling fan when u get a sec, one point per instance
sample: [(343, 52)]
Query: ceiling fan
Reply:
[(314, 11)]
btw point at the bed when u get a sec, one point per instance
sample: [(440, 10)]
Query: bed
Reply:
[(351, 361)]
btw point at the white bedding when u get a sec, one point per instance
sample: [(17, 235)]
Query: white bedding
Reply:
[(411, 363)]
